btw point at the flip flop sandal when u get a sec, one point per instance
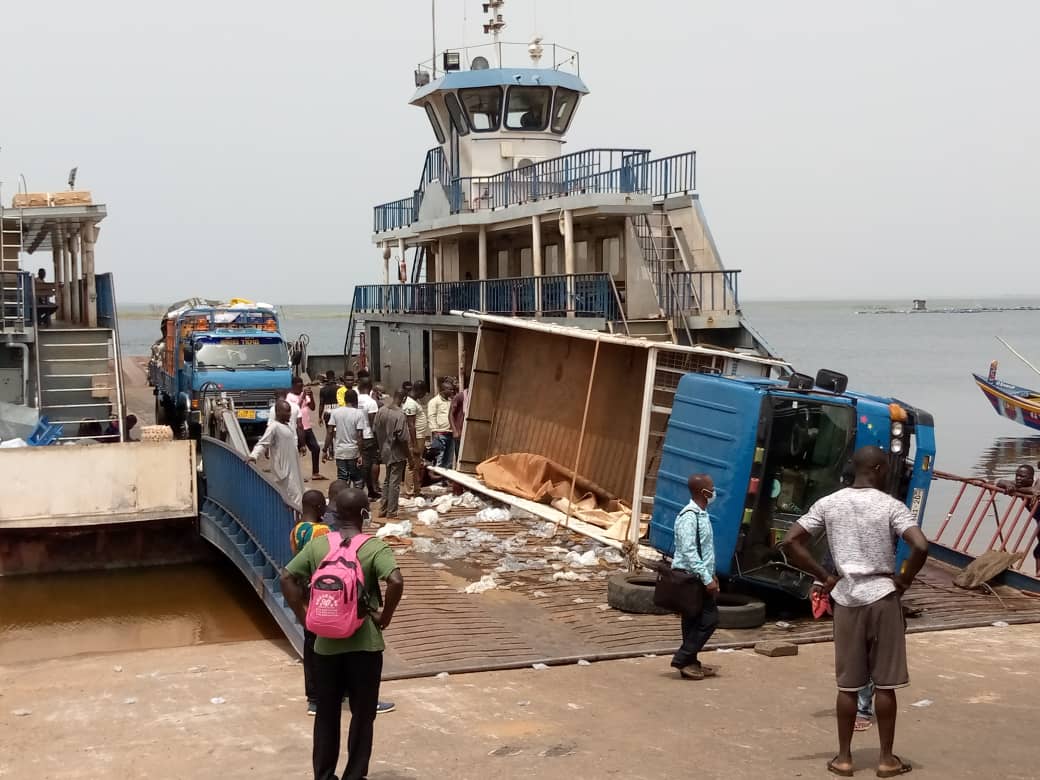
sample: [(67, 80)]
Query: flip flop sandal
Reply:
[(839, 772), (862, 724), (902, 770)]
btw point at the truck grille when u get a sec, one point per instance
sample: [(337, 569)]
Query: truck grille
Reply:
[(251, 399)]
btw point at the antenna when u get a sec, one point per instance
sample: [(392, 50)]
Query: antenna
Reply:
[(433, 34), (495, 22), (72, 178)]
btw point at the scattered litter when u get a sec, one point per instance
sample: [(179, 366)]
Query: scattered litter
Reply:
[(1000, 624), (522, 703), (539, 666), (539, 594), (493, 515), (583, 662), (570, 576), (437, 490), (603, 607), (487, 582), (625, 617), (783, 624), (584, 559), (470, 501), (196, 669), (217, 700), (726, 650), (923, 703), (444, 504), (404, 528), (610, 555), (578, 600), (438, 565), (131, 700), (412, 503), (21, 713), (428, 516), (572, 706), (117, 668), (443, 676), (555, 550), (545, 530), (649, 655)]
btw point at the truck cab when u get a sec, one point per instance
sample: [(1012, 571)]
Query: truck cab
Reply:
[(773, 448), (233, 351)]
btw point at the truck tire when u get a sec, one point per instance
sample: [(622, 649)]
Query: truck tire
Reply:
[(633, 593), (160, 412), (739, 611)]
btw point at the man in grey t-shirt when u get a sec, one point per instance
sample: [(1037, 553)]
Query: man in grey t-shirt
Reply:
[(862, 524)]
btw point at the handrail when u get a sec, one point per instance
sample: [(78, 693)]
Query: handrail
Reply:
[(106, 291), (728, 299), (620, 307)]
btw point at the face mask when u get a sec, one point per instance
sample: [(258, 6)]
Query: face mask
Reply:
[(710, 497), (775, 490)]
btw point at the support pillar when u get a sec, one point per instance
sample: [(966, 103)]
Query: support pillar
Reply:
[(59, 275), (77, 310), (386, 263), (66, 256), (568, 257), (536, 262), (482, 265), (461, 346), (401, 249), (87, 242)]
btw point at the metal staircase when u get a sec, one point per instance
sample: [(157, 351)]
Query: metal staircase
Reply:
[(12, 287), (79, 380)]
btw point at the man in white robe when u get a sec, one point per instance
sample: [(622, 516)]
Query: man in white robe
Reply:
[(279, 441)]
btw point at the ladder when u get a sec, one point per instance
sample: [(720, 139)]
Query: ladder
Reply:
[(12, 287)]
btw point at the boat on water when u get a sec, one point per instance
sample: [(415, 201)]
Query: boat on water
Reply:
[(1018, 404), (504, 221)]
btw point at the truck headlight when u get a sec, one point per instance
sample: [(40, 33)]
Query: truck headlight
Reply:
[(897, 429), (897, 446)]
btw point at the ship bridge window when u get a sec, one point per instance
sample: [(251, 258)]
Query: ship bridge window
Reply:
[(484, 107), (435, 123), (528, 108), (563, 109), (458, 116)]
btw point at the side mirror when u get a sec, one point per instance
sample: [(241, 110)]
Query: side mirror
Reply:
[(188, 353)]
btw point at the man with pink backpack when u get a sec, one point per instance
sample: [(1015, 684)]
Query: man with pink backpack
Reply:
[(333, 587)]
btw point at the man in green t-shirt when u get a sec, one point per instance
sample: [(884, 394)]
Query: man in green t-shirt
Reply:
[(350, 667)]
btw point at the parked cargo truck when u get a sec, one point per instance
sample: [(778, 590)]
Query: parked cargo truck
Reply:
[(234, 350)]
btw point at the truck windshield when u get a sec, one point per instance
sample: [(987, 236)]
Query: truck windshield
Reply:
[(236, 353), (808, 446)]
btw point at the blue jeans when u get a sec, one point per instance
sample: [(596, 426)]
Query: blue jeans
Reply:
[(445, 442), (865, 701), (348, 470)]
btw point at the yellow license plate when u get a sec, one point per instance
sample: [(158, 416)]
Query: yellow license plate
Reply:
[(245, 414)]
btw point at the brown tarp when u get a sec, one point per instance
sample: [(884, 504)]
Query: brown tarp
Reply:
[(537, 478), (984, 568)]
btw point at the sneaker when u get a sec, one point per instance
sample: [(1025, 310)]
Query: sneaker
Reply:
[(384, 707), (709, 671), (312, 708), (692, 672)]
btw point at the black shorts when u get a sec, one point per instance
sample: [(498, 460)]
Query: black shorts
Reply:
[(369, 453)]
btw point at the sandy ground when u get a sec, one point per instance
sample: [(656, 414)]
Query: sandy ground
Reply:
[(237, 711)]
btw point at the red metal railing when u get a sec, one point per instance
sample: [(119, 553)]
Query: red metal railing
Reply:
[(985, 517)]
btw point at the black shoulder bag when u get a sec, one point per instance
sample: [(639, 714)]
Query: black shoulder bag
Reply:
[(678, 590)]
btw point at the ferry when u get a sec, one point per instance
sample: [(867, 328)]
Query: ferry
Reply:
[(505, 221)]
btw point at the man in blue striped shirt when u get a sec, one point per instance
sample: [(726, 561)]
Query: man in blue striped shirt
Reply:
[(695, 553)]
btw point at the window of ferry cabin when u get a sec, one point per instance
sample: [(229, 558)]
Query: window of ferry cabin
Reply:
[(458, 116), (483, 107), (528, 108), (434, 122), (563, 109)]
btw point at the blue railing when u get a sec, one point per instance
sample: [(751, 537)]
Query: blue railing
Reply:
[(583, 295), (672, 175), (591, 170), (703, 292), (258, 505)]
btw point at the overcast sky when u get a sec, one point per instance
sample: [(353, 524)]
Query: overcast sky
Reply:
[(889, 149)]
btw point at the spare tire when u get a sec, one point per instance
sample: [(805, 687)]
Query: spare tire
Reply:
[(738, 611), (633, 593)]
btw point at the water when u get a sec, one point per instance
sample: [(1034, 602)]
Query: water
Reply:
[(65, 614)]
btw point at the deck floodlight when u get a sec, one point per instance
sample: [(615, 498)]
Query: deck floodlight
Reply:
[(479, 63), (452, 61)]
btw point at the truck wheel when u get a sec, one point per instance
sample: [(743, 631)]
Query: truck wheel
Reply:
[(160, 412), (633, 593), (738, 611)]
